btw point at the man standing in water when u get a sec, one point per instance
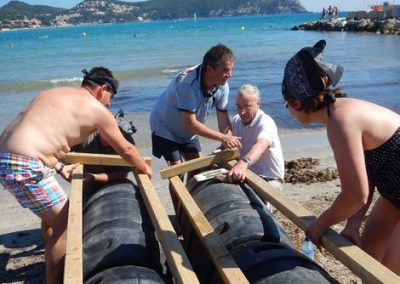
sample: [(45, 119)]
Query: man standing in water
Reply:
[(33, 144)]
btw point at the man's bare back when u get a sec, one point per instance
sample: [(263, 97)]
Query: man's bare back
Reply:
[(34, 142), (53, 122), (60, 118)]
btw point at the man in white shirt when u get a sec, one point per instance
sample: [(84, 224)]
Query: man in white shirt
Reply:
[(261, 148)]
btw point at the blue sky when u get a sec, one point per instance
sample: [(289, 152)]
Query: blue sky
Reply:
[(310, 5)]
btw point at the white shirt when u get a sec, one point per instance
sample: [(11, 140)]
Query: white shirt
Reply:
[(271, 164)]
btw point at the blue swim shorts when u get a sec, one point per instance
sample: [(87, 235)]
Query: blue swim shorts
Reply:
[(172, 150)]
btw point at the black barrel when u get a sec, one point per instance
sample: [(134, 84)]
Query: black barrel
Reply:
[(266, 262), (117, 231), (126, 275), (244, 224)]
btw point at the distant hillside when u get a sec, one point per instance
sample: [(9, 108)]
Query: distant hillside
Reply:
[(18, 14), (213, 8), (15, 10)]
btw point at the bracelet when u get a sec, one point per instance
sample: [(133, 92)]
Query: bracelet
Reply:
[(60, 169)]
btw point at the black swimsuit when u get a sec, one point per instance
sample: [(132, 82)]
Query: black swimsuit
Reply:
[(383, 168)]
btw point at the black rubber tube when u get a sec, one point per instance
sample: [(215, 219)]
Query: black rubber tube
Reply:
[(117, 231), (126, 275), (250, 233)]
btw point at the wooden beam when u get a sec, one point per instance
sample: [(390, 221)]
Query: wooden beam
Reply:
[(98, 159), (73, 269), (223, 261), (358, 261), (179, 264), (199, 163)]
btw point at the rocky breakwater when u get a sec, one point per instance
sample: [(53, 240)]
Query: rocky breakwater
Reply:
[(378, 26)]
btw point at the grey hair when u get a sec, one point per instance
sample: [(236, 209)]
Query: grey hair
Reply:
[(248, 90)]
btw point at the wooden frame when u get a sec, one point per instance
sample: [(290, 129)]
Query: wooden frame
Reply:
[(73, 258), (360, 263), (179, 264), (222, 260)]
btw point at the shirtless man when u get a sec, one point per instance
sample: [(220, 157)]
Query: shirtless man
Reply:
[(33, 144)]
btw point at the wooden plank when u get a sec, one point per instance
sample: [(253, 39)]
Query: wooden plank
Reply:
[(98, 159), (73, 269), (358, 261), (223, 261), (199, 163), (179, 264)]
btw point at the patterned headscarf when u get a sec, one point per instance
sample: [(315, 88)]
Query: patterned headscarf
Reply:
[(304, 71)]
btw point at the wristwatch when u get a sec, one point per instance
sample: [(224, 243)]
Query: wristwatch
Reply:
[(60, 169), (246, 159)]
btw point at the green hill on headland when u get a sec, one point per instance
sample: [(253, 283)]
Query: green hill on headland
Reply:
[(18, 14)]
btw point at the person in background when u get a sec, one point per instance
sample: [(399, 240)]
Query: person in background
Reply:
[(323, 14), (179, 115), (365, 139), (335, 12), (329, 12), (96, 176), (261, 149), (33, 145)]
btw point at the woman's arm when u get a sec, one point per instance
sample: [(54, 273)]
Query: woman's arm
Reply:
[(345, 137), (352, 229)]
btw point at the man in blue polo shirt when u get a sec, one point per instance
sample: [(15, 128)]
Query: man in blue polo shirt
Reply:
[(179, 114)]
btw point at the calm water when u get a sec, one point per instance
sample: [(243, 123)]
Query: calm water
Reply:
[(145, 56)]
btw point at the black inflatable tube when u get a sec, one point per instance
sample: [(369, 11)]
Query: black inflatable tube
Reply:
[(254, 238), (117, 231)]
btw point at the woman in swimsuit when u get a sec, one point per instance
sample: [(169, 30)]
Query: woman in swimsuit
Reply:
[(365, 139)]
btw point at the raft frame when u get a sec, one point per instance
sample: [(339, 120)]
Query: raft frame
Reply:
[(359, 262)]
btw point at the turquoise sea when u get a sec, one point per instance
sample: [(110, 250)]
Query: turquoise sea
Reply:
[(145, 56)]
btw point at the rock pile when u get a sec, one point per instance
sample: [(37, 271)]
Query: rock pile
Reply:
[(378, 26), (307, 170)]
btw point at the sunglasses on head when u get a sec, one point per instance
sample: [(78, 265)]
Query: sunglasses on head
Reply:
[(111, 83)]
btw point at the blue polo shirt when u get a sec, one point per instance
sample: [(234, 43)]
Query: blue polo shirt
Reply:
[(184, 93)]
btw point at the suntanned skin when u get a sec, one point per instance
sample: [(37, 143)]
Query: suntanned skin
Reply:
[(53, 122), (355, 126), (60, 118)]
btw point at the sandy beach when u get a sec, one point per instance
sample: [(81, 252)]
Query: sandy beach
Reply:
[(21, 247)]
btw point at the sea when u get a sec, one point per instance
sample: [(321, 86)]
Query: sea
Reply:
[(145, 56)]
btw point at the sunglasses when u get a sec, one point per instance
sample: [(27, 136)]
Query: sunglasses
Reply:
[(111, 83)]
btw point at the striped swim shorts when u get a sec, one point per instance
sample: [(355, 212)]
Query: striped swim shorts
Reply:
[(31, 182)]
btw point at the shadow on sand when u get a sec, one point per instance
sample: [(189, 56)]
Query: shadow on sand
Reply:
[(22, 257)]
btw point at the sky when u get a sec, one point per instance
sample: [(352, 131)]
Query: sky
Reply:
[(310, 5), (343, 5)]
